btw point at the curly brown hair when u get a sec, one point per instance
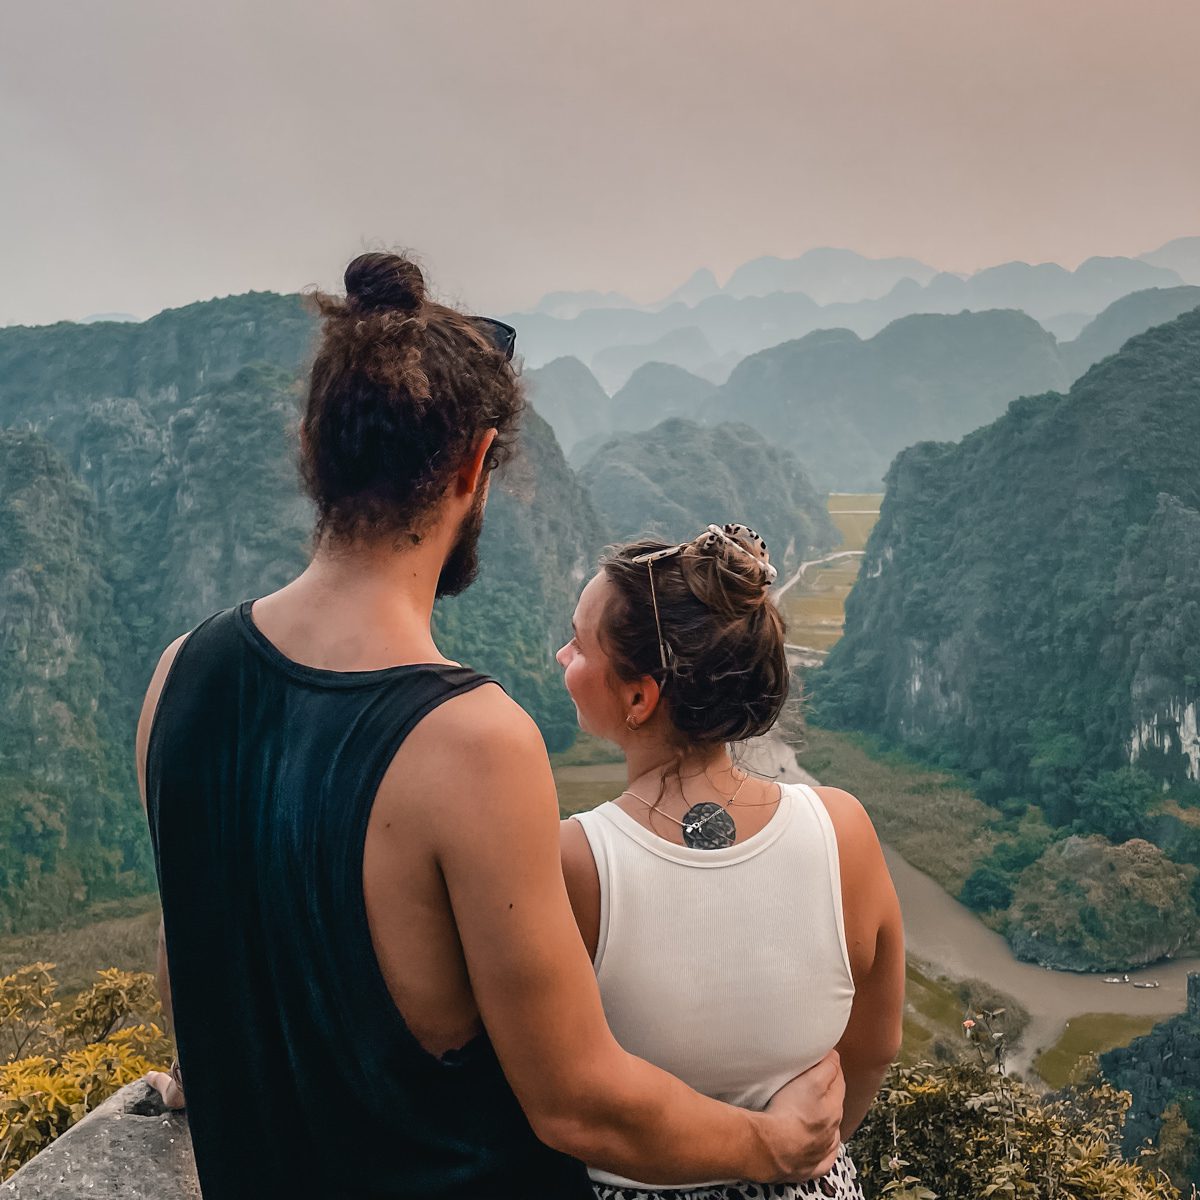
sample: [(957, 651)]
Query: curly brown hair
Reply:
[(401, 390), (727, 676)]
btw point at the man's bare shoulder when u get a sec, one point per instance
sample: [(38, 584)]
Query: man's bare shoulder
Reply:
[(485, 720), (150, 706), (476, 750)]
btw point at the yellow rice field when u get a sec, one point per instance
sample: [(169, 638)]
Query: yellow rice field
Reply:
[(815, 608)]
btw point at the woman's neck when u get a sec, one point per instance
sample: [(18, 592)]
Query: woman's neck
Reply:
[(651, 762)]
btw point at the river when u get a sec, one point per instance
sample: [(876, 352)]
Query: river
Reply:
[(950, 938)]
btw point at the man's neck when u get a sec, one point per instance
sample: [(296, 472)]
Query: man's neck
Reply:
[(358, 607)]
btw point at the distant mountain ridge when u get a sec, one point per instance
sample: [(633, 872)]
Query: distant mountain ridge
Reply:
[(1181, 255), (1123, 319), (828, 275), (846, 406), (675, 479), (571, 304), (571, 399), (657, 391), (771, 300)]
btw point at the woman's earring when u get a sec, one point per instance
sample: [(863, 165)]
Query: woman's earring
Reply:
[(631, 724)]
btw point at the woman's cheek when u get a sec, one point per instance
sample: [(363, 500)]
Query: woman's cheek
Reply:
[(583, 693), (571, 678)]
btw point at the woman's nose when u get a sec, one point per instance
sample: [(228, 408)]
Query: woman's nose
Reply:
[(563, 656)]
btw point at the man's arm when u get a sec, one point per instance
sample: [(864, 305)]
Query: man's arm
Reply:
[(167, 1085), (482, 765)]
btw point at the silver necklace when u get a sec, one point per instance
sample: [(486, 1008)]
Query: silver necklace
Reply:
[(706, 826)]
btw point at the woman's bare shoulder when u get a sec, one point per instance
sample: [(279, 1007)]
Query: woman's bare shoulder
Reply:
[(847, 813), (858, 844), (582, 880)]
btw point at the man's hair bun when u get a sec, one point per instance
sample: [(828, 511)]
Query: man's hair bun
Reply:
[(400, 392), (380, 281)]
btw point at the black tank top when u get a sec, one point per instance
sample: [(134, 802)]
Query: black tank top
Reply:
[(302, 1078)]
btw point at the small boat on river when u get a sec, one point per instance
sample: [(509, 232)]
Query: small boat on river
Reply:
[(1147, 983), (1118, 979)]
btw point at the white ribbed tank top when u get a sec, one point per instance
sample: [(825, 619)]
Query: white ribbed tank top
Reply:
[(726, 967)]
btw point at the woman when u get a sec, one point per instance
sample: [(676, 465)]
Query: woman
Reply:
[(712, 901)]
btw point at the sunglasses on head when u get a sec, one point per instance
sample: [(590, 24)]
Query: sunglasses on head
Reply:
[(503, 337)]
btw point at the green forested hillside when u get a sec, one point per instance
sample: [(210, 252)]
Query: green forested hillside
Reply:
[(571, 399), (68, 817), (1029, 611), (686, 347), (140, 497), (51, 373), (541, 541), (846, 406), (656, 392), (674, 479), (1123, 319)]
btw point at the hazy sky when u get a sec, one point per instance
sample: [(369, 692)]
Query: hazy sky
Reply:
[(156, 152)]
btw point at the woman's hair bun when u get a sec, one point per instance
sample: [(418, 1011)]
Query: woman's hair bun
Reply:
[(380, 281), (699, 618)]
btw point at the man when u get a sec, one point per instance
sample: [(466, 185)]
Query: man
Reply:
[(377, 984)]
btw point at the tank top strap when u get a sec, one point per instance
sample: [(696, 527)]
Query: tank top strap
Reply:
[(600, 833), (833, 858)]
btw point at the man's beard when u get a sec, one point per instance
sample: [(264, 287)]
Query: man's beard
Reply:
[(462, 563)]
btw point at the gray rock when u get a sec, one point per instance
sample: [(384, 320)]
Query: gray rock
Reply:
[(130, 1148)]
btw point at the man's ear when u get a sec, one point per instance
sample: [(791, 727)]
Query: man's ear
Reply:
[(472, 473)]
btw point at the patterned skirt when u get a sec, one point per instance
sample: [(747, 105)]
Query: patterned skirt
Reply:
[(839, 1184)]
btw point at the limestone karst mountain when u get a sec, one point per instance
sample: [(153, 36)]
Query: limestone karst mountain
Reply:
[(1181, 255), (1044, 289), (69, 822), (699, 286), (94, 318), (50, 374), (846, 406), (739, 322), (1124, 318), (1029, 604), (657, 391), (673, 480), (571, 304), (570, 398), (686, 347), (828, 275), (541, 541), (149, 480)]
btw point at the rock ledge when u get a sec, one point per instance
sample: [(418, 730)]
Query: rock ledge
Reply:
[(130, 1148)]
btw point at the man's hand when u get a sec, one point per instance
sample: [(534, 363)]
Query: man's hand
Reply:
[(169, 1087), (489, 810), (814, 1102)]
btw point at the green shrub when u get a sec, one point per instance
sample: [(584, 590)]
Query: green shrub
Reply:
[(962, 1132)]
